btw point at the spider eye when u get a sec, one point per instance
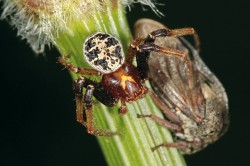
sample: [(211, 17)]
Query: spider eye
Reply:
[(103, 52)]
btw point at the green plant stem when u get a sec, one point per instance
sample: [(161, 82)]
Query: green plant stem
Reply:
[(132, 147)]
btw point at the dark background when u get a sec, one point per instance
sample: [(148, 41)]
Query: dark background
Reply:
[(37, 119)]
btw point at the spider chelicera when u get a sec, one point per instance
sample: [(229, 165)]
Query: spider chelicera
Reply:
[(121, 80)]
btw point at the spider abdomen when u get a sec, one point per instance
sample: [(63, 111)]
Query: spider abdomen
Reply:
[(124, 83)]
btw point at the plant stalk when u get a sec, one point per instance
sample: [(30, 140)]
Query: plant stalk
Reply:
[(132, 147)]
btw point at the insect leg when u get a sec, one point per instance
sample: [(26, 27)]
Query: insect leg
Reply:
[(170, 114), (163, 122), (180, 144)]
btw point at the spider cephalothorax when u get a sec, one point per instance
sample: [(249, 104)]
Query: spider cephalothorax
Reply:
[(121, 80)]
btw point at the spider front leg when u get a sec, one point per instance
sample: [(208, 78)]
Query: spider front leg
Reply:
[(162, 33), (144, 51), (123, 108), (174, 32), (145, 45), (87, 102), (148, 47)]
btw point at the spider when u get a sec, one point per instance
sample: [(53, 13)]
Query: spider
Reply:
[(121, 80)]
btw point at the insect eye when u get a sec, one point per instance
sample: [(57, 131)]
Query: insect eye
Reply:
[(103, 52)]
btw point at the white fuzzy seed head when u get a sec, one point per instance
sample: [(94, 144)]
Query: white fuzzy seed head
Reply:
[(40, 21)]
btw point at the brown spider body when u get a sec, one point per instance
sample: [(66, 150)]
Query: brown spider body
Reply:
[(124, 83), (121, 80)]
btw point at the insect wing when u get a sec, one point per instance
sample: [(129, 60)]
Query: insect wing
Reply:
[(170, 76), (203, 99)]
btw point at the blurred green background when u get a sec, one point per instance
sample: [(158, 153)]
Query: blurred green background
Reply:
[(37, 118)]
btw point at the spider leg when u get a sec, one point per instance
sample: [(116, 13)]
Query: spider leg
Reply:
[(77, 70), (87, 102), (142, 57), (78, 89), (131, 52), (174, 32), (123, 108), (146, 48)]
